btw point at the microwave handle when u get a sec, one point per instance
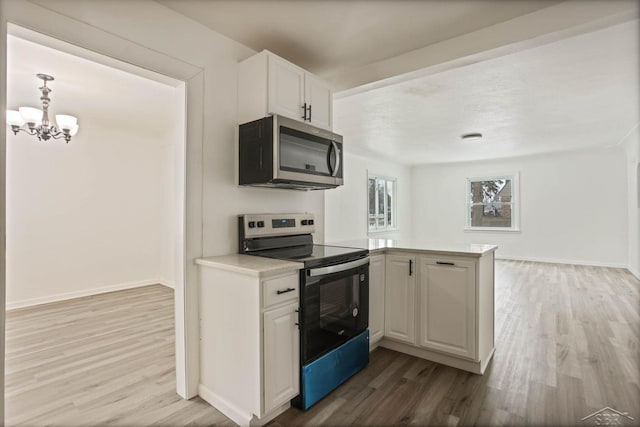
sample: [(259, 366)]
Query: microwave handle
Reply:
[(337, 151)]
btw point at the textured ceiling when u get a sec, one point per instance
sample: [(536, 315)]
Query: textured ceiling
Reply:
[(580, 92), (329, 36)]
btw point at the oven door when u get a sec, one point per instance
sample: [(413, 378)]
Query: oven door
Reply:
[(334, 306), (303, 153)]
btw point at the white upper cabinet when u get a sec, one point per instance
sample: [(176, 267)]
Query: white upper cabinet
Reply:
[(268, 84), (286, 89), (319, 100)]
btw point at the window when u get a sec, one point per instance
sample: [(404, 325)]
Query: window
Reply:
[(382, 203), (491, 203)]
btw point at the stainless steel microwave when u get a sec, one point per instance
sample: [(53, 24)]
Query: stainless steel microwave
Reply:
[(276, 151)]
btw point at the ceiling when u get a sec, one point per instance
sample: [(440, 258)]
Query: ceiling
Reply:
[(99, 95), (576, 93), (329, 36), (568, 89)]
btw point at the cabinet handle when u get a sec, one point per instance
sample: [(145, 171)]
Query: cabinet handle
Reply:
[(304, 112), (445, 263), (298, 322), (309, 112), (410, 267), (285, 291)]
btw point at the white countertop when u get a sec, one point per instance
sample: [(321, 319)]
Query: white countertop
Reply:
[(437, 248), (250, 265)]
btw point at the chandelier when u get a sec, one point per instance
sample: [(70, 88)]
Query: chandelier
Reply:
[(37, 121)]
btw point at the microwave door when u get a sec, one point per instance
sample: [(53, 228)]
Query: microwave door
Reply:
[(303, 158)]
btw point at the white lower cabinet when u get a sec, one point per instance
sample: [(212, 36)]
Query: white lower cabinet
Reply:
[(440, 308), (249, 343), (281, 356), (376, 298), (447, 305), (400, 302)]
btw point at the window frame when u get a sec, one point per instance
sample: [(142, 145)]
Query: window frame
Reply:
[(515, 202), (394, 203)]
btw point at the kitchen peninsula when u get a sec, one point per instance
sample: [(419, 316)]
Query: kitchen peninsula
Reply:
[(432, 300)]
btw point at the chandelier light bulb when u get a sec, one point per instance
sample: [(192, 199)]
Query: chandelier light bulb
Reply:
[(14, 118), (31, 115), (66, 122)]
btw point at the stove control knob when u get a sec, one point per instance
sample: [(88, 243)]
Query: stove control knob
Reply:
[(252, 224), (310, 222), (304, 222), (260, 224)]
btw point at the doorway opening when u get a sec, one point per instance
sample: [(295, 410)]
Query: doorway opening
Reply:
[(95, 228)]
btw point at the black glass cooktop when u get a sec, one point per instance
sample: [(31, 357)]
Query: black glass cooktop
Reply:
[(315, 255)]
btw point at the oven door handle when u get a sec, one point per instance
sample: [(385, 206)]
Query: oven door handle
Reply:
[(322, 271)]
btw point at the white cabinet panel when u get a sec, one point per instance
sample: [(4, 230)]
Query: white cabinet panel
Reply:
[(400, 291), (447, 306), (249, 356), (281, 356), (286, 88), (268, 84), (319, 98), (280, 289), (376, 298)]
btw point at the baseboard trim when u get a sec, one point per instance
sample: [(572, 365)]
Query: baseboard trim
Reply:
[(78, 294), (166, 283), (561, 261), (228, 409), (475, 367)]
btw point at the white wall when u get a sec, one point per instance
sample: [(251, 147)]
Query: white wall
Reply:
[(153, 25), (89, 216), (150, 35), (346, 206), (172, 199), (3, 181), (86, 217), (632, 148), (573, 206)]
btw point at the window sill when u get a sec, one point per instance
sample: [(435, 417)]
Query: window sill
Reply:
[(384, 230), (500, 230)]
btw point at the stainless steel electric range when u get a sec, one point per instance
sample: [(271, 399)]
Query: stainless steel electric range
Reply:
[(334, 298)]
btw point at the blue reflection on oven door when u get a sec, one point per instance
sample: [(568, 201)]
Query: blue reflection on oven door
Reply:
[(326, 373)]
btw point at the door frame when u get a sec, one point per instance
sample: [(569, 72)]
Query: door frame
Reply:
[(40, 20)]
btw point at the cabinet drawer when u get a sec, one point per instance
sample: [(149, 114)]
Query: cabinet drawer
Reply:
[(280, 289)]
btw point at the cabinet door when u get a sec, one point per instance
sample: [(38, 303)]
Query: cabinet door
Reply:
[(448, 305), (318, 95), (286, 89), (281, 356), (400, 291), (376, 298)]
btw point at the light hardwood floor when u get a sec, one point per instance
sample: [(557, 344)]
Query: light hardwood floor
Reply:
[(566, 346), (101, 360)]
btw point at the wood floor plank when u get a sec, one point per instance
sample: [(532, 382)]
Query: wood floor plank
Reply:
[(107, 359), (567, 345)]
